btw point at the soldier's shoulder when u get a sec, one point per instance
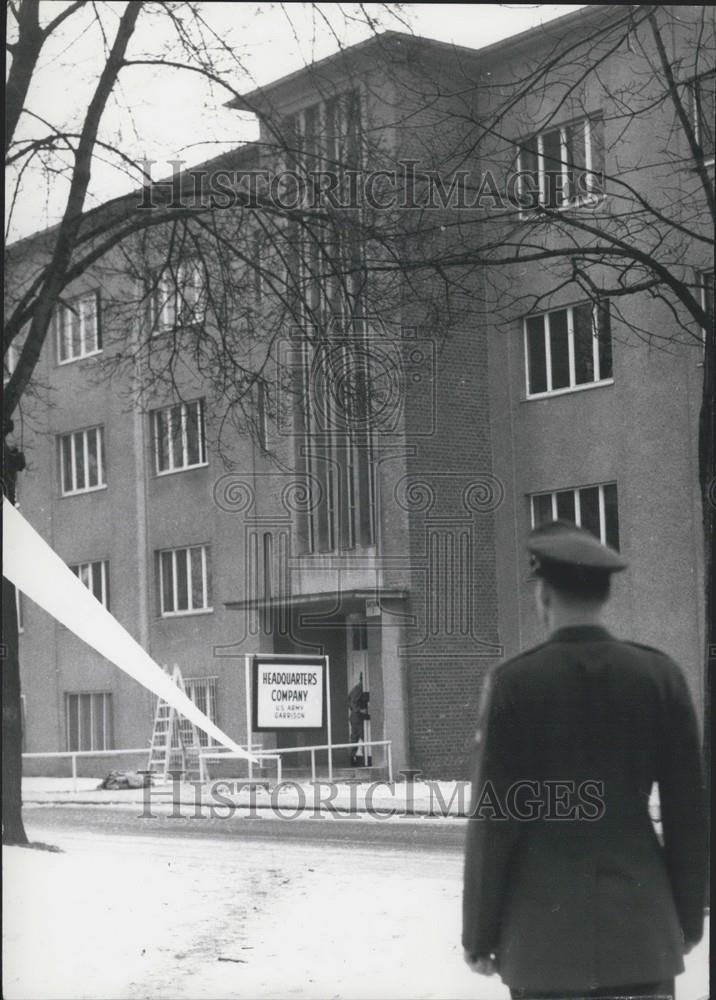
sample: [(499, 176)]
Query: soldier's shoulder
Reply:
[(524, 660), (654, 656), (659, 664), (643, 647)]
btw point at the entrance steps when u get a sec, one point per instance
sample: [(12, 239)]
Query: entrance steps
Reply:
[(267, 774), (366, 774)]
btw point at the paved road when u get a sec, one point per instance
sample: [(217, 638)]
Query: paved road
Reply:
[(437, 834)]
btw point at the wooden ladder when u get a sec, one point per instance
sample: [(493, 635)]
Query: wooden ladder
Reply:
[(175, 742)]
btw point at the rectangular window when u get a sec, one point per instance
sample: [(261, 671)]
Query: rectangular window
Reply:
[(82, 461), (336, 454), (88, 718), (563, 166), (179, 296), (77, 324), (95, 576), (592, 507), (262, 415), (702, 92), (568, 348), (184, 577), (203, 692), (178, 433)]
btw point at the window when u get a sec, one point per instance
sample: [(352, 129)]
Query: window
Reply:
[(202, 691), (359, 635), (184, 580), (702, 92), (258, 268), (592, 507), (82, 461), (262, 415), (328, 131), (568, 348), (334, 427), (563, 166), (95, 576), (179, 297), (78, 328), (19, 609), (179, 437), (89, 721)]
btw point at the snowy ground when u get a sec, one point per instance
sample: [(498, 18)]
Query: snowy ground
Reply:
[(145, 917), (141, 917), (437, 797)]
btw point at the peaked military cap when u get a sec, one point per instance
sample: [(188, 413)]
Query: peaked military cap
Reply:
[(561, 544)]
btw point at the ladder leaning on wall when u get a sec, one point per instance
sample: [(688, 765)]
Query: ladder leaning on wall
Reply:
[(175, 742)]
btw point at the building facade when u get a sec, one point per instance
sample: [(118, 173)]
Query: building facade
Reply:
[(380, 513)]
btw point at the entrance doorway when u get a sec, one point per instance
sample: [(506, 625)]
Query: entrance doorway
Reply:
[(358, 688)]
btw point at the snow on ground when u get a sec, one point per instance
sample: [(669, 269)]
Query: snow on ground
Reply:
[(146, 917), (438, 797)]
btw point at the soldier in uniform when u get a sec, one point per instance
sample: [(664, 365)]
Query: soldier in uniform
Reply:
[(568, 890)]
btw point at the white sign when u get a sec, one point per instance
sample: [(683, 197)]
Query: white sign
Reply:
[(289, 695)]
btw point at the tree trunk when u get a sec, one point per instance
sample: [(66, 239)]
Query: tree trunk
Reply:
[(13, 830), (707, 478)]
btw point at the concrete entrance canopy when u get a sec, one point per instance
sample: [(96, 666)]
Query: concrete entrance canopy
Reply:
[(344, 600)]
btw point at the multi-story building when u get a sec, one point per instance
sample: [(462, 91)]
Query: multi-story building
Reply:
[(389, 536)]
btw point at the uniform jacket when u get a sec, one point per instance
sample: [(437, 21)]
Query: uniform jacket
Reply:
[(580, 893)]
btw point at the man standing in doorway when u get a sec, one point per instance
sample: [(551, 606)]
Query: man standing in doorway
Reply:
[(568, 891)]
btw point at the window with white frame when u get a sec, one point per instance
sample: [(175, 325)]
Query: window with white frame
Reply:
[(77, 324), (184, 580), (95, 576), (702, 91), (82, 460), (568, 348), (179, 440), (88, 719), (562, 166), (203, 692), (592, 507), (179, 296)]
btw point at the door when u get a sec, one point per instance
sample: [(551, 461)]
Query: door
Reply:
[(358, 687)]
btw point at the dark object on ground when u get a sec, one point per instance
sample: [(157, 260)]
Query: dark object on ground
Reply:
[(39, 846), (126, 779)]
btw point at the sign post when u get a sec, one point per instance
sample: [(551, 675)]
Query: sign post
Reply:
[(249, 734)]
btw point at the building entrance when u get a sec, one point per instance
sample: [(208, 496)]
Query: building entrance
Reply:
[(358, 687)]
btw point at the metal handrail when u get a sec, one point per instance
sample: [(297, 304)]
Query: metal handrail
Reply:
[(273, 751), (74, 754)]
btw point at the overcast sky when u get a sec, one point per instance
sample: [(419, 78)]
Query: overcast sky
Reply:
[(166, 114)]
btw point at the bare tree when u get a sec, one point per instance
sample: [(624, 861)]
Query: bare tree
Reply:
[(176, 263), (615, 206), (457, 187)]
